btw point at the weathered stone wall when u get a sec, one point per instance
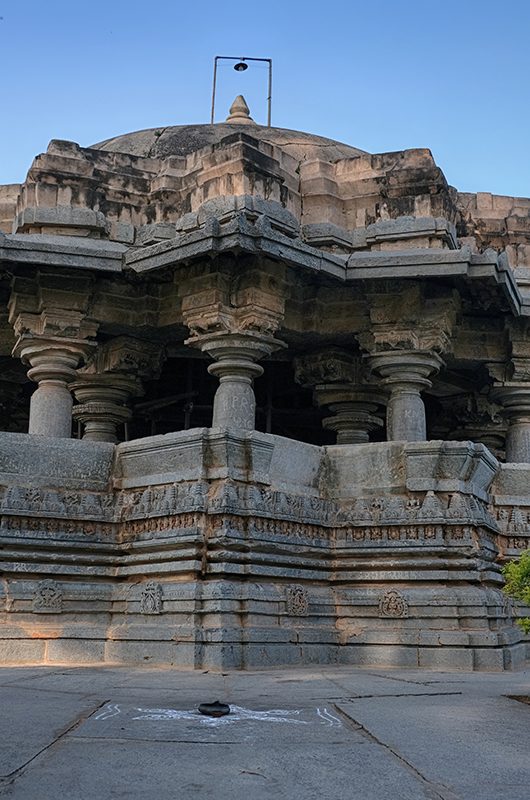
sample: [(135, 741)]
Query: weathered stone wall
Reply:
[(210, 548), (498, 221), (8, 203)]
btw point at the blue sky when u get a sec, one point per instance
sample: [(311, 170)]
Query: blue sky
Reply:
[(451, 76)]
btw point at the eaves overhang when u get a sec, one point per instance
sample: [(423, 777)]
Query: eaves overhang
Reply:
[(263, 237), (72, 252)]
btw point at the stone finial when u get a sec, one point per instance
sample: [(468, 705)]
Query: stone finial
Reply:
[(239, 113)]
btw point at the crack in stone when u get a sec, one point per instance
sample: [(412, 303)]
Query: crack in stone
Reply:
[(24, 678), (158, 133), (152, 740), (392, 678), (6, 781), (435, 791), (397, 694)]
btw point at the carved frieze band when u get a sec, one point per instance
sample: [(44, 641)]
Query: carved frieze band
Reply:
[(190, 507), (250, 500), (514, 526)]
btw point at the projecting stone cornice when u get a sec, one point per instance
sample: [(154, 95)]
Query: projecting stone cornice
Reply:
[(239, 235), (72, 252), (261, 237), (424, 264), (274, 236)]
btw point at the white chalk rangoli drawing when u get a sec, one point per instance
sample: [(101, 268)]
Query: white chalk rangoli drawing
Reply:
[(328, 718), (237, 714), (110, 710)]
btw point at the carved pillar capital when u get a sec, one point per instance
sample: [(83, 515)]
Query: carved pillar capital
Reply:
[(472, 417), (127, 355), (104, 387), (519, 338), (404, 315), (53, 304), (233, 319), (340, 383), (52, 358), (329, 366)]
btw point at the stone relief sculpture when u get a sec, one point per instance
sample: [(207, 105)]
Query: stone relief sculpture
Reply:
[(297, 601), (48, 598), (151, 598), (393, 604)]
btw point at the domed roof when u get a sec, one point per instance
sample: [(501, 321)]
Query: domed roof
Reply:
[(181, 140)]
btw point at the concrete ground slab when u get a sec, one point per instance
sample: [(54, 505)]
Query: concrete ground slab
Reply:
[(339, 732)]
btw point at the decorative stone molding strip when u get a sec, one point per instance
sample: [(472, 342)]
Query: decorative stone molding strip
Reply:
[(230, 497)]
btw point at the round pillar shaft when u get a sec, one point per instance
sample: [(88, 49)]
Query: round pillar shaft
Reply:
[(235, 365), (406, 374), (518, 442), (405, 414), (515, 400), (234, 404), (50, 410), (53, 362)]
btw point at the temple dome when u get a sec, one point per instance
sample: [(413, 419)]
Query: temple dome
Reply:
[(181, 140)]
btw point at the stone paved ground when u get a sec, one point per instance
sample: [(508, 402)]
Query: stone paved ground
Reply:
[(113, 732)]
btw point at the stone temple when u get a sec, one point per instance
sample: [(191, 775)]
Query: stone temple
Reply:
[(265, 401)]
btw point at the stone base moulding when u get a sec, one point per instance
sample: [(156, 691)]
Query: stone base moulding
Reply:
[(211, 549)]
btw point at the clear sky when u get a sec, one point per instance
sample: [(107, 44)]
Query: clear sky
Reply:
[(383, 75)]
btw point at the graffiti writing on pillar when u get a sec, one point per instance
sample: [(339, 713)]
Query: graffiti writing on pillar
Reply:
[(238, 409)]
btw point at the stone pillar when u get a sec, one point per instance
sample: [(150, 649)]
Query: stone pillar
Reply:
[(53, 361), (103, 404), (515, 400), (233, 315), (235, 365), (104, 387), (354, 419), (340, 383), (471, 417), (406, 374)]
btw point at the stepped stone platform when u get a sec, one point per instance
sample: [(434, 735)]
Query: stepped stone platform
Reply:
[(210, 548)]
